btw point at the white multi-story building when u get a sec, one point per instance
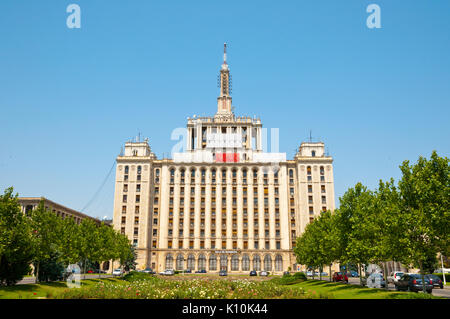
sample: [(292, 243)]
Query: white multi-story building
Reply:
[(222, 203)]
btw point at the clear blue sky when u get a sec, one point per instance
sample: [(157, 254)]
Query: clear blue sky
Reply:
[(70, 98)]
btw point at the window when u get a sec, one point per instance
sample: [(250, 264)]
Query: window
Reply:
[(212, 262), (267, 263), (234, 263), (138, 187), (223, 262), (180, 262), (126, 169), (245, 263), (313, 153), (138, 198), (201, 262), (278, 263), (125, 188), (124, 199), (256, 263), (139, 169)]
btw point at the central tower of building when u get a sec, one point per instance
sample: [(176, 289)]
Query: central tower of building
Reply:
[(224, 202)]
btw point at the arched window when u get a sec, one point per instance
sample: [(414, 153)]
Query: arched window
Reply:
[(172, 172), (223, 262), (201, 262), (139, 169), (245, 263), (191, 262), (224, 174), (235, 262), (291, 173), (322, 170), (212, 262), (278, 263), (234, 173), (267, 263), (308, 170), (192, 172), (182, 172), (126, 169), (180, 262), (169, 261), (256, 263)]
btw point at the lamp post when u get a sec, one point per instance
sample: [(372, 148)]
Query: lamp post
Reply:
[(443, 274)]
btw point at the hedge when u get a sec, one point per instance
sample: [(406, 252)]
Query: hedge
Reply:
[(447, 276)]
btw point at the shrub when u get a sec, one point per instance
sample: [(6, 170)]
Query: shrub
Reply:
[(300, 275), (135, 276)]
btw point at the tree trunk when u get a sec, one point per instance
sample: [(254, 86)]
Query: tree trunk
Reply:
[(360, 275), (37, 272), (423, 276), (320, 273), (330, 272), (385, 276)]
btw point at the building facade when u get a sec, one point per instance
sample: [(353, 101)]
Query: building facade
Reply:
[(223, 203), (27, 204)]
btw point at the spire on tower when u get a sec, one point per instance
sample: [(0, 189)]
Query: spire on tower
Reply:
[(225, 53), (224, 99)]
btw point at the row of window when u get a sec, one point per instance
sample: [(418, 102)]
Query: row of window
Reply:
[(224, 244), (181, 263)]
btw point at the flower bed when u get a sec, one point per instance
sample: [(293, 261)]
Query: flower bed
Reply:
[(159, 288)]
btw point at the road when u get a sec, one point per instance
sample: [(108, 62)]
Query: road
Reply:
[(436, 291), (32, 280)]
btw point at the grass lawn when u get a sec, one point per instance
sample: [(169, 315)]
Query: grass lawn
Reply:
[(347, 291), (43, 290)]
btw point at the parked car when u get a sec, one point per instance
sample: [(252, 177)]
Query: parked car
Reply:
[(413, 282), (187, 271), (264, 273), (253, 273), (287, 273), (90, 271), (340, 276), (324, 273), (202, 271), (223, 273), (167, 272), (435, 281), (394, 276), (374, 277), (352, 273), (117, 272), (311, 273), (148, 271)]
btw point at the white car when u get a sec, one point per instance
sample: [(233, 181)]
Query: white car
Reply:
[(167, 272), (394, 276), (117, 272)]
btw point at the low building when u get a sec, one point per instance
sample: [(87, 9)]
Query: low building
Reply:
[(28, 204)]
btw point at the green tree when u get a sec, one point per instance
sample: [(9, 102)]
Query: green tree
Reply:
[(16, 249), (425, 209), (89, 242), (358, 226), (47, 232)]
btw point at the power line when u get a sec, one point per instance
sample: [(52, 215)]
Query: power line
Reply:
[(100, 188)]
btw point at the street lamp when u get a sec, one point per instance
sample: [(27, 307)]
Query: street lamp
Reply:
[(443, 273)]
